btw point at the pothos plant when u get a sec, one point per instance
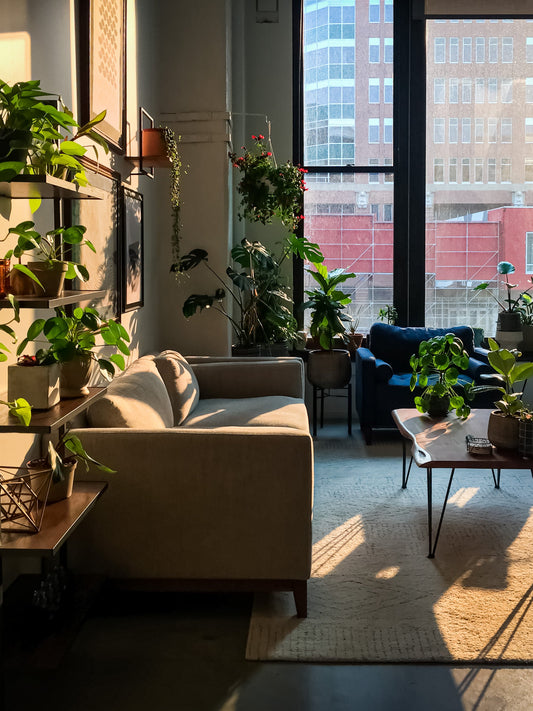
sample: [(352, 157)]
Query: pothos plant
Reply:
[(20, 407), (269, 190), (175, 188)]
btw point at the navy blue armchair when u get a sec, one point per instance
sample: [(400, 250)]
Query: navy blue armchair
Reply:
[(383, 373)]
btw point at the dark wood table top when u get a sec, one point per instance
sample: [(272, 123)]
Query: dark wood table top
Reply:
[(440, 443)]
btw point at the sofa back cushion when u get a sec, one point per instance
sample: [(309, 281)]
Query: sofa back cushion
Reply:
[(180, 382), (395, 344), (136, 399)]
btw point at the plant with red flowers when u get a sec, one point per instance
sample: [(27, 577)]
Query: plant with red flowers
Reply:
[(269, 190)]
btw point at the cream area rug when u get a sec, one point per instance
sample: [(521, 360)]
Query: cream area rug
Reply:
[(374, 596)]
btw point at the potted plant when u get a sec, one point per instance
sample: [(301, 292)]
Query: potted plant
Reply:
[(327, 366), (436, 369), (36, 379), (254, 282), (510, 316), (504, 421), (269, 190), (61, 460), (72, 342), (49, 272), (18, 407), (527, 323), (354, 336), (389, 314), (31, 138)]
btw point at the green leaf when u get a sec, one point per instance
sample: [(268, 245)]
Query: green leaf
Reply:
[(72, 148), (118, 360)]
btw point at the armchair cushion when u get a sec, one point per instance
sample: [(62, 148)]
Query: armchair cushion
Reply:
[(181, 384)]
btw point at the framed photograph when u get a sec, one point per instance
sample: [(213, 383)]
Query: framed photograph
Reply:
[(103, 67), (132, 250)]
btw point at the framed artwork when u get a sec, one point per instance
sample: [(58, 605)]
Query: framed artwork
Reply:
[(102, 218), (103, 67), (132, 250)]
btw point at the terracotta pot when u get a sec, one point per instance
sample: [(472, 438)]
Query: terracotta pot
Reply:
[(38, 384), (154, 148), (51, 276), (503, 431), (329, 369), (20, 284), (74, 377), (59, 490), (355, 341)]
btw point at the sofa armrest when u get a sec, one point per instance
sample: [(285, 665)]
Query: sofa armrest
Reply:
[(224, 503), (250, 378)]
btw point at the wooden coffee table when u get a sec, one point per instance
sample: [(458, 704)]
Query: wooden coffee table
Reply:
[(441, 444)]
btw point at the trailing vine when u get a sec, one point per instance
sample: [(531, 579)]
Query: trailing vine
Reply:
[(175, 191)]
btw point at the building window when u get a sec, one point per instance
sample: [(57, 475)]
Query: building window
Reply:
[(388, 50), (506, 170), (529, 49), (528, 172), (453, 130), (387, 212), (387, 130), (454, 50), (480, 50), (467, 49), (465, 165), (479, 170), (373, 130), (438, 130), (529, 130), (438, 170), (387, 90), (529, 90), (373, 177), (480, 91), (388, 177), (529, 252), (439, 91), (507, 50), (373, 11), (454, 91), (507, 91), (493, 50), (479, 128), (467, 91), (452, 172), (373, 50), (466, 131), (491, 170), (492, 130), (507, 130), (373, 91), (389, 11), (374, 209), (493, 91), (439, 50)]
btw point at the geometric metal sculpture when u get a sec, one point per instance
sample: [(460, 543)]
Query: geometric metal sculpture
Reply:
[(23, 499)]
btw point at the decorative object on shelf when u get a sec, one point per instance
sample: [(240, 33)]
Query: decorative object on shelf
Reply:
[(31, 125), (74, 338), (50, 271), (478, 445), (436, 369), (509, 326), (504, 422), (258, 290), (103, 64), (23, 498), (36, 379), (133, 250)]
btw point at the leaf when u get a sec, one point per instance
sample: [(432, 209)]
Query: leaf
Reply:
[(72, 148), (191, 260), (21, 409)]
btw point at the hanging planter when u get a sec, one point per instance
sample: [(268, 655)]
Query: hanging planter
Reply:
[(154, 150)]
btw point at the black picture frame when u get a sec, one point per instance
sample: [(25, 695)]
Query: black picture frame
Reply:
[(102, 40), (132, 251)]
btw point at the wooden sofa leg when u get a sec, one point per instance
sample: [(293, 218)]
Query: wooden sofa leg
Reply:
[(300, 597)]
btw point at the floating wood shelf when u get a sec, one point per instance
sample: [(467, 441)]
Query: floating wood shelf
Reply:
[(50, 302), (46, 187)]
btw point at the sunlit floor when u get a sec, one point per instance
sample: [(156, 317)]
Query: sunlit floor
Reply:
[(186, 652)]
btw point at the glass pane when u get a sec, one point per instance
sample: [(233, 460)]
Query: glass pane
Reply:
[(340, 92), (350, 216), (479, 174)]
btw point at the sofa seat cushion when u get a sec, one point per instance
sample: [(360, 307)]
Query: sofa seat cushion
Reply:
[(181, 384), (137, 399), (269, 411)]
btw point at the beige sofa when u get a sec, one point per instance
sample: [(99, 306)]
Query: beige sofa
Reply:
[(214, 476)]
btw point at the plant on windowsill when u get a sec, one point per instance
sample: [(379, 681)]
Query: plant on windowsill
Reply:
[(436, 369), (510, 315), (389, 314), (49, 272)]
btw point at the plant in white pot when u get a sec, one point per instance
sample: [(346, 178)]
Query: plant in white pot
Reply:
[(36, 379), (51, 268), (18, 407)]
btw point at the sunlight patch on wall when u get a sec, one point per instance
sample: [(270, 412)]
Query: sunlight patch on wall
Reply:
[(15, 56), (329, 552)]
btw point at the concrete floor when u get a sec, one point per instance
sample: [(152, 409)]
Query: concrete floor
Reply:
[(185, 652)]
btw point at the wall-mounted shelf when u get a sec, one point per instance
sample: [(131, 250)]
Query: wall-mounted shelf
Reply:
[(46, 187), (50, 302), (47, 421)]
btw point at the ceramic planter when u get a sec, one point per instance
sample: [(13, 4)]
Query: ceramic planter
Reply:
[(503, 431), (59, 490), (329, 369), (38, 384), (527, 338), (525, 438), (437, 406), (51, 276), (74, 376)]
